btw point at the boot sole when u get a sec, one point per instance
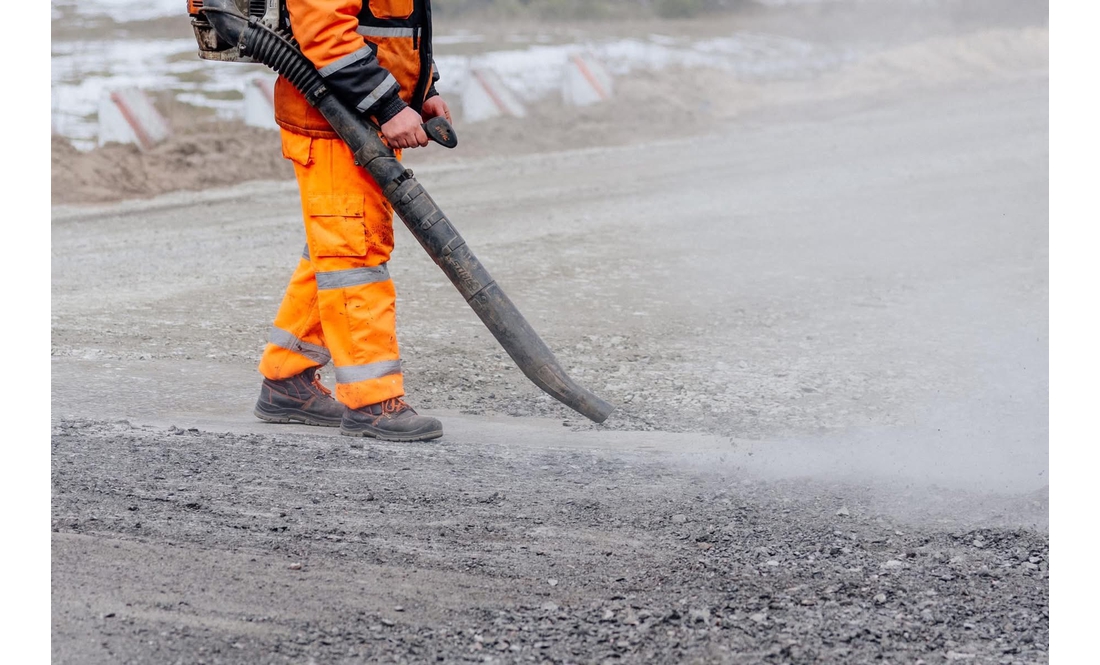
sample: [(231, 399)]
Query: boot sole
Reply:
[(399, 438), (290, 416)]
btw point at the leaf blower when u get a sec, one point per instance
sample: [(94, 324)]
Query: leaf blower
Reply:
[(248, 31)]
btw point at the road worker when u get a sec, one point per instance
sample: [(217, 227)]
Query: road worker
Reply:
[(376, 56)]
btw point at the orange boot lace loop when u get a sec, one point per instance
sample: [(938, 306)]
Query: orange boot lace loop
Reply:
[(320, 386), (394, 405)]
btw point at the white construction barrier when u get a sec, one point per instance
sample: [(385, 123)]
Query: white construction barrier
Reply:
[(485, 96), (585, 81), (128, 116), (259, 102)]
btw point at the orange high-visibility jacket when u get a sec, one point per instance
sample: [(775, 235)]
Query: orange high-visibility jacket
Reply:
[(375, 55)]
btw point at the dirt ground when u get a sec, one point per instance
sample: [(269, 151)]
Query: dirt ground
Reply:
[(824, 324)]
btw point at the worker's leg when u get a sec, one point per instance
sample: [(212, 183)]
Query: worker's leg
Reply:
[(349, 227), (291, 390), (296, 349), (296, 341)]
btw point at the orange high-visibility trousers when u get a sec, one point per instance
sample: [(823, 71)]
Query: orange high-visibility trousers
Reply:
[(340, 301)]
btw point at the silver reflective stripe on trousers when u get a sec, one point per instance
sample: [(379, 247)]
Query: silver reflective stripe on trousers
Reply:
[(385, 86), (285, 340), (369, 31), (305, 253), (349, 59), (339, 279), (356, 373)]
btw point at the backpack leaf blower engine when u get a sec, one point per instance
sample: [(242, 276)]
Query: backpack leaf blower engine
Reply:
[(249, 31)]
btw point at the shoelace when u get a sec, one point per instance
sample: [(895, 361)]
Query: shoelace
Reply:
[(320, 386), (394, 405)]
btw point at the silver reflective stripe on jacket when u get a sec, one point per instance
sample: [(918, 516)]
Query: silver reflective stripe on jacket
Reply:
[(370, 31), (349, 59), (305, 253), (387, 84)]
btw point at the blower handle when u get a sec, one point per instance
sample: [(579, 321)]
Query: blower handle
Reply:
[(440, 131)]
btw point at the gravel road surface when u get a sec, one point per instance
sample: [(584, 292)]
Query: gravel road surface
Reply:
[(826, 331)]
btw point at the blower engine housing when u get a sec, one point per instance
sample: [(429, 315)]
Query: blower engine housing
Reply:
[(213, 47)]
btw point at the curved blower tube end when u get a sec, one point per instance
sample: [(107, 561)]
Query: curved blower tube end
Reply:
[(424, 219)]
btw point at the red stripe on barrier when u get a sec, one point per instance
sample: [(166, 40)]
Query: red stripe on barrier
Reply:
[(268, 91), (131, 119), (489, 91), (590, 77)]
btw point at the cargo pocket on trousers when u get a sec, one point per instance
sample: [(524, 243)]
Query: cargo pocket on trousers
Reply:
[(296, 147), (336, 226)]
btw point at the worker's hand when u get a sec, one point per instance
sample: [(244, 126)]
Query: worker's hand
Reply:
[(404, 130), (435, 107)]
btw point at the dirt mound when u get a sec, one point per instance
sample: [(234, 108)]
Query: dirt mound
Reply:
[(215, 153), (206, 155)]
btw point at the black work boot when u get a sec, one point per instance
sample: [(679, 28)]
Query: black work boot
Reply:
[(392, 420), (299, 399)]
